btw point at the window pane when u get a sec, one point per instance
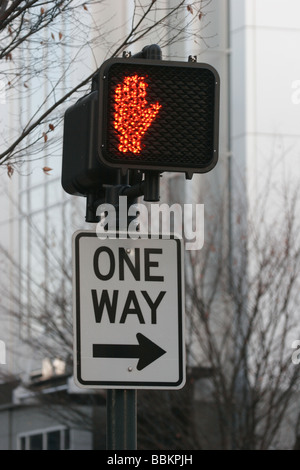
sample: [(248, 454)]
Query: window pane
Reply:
[(36, 442), (22, 443), (53, 440), (67, 439)]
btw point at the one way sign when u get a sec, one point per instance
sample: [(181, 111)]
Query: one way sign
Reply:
[(128, 312)]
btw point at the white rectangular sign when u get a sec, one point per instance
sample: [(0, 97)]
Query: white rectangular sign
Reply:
[(128, 312)]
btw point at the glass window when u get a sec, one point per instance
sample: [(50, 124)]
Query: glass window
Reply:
[(22, 443), (36, 442), (53, 440), (67, 439), (50, 439)]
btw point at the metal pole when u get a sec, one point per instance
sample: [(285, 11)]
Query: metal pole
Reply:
[(120, 404), (121, 420), (131, 422)]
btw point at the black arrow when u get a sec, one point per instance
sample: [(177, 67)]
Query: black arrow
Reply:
[(146, 351)]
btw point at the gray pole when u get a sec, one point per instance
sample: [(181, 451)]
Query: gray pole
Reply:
[(121, 420), (120, 404)]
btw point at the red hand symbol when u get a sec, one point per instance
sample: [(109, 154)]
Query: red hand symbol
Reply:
[(132, 117)]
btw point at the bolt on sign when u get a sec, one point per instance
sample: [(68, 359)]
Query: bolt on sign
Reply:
[(128, 312)]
